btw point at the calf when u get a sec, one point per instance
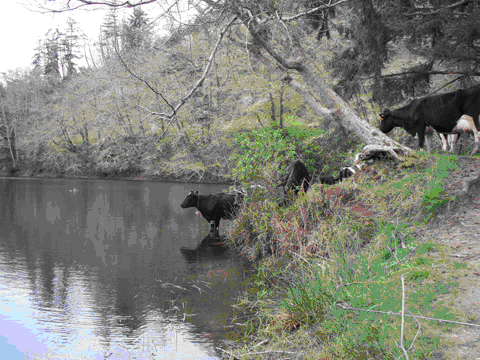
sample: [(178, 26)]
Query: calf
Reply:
[(344, 173), (442, 112), (214, 207)]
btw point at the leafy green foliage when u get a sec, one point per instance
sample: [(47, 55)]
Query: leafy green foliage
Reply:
[(435, 198), (258, 152), (261, 152)]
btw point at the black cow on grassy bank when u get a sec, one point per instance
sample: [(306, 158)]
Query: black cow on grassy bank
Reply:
[(295, 177), (214, 207), (442, 112)]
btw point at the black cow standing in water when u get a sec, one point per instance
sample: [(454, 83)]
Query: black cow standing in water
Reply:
[(214, 207), (296, 175)]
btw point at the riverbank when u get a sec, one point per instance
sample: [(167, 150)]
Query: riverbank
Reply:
[(213, 156), (207, 179), (385, 246)]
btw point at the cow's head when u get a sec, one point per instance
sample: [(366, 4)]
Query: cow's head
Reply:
[(386, 123), (191, 200)]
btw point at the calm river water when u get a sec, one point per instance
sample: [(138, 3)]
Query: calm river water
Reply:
[(93, 269)]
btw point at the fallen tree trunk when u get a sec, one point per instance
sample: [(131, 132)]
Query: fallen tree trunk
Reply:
[(329, 106)]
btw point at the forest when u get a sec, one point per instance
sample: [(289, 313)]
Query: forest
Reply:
[(157, 105)]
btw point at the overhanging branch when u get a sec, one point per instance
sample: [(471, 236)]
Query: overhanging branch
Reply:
[(435, 72), (433, 12), (172, 115), (78, 4), (306, 12), (202, 78)]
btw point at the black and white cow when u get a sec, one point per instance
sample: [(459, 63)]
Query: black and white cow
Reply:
[(214, 207), (352, 170), (344, 173), (441, 112)]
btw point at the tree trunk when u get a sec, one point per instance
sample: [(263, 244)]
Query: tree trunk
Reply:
[(328, 105), (318, 95), (9, 136)]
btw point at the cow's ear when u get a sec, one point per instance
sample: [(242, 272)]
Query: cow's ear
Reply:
[(196, 192)]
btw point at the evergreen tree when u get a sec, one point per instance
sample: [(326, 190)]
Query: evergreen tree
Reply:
[(137, 31), (443, 32), (51, 53), (56, 53), (69, 46), (110, 33), (37, 56)]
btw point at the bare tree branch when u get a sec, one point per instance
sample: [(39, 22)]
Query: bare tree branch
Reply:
[(142, 80), (202, 78), (303, 13), (433, 12), (423, 72), (172, 115), (72, 5)]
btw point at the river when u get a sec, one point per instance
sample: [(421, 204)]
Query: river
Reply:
[(94, 269)]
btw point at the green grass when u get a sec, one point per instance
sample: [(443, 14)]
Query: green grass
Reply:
[(337, 261)]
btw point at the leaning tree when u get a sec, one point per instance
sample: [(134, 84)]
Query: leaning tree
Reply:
[(276, 32)]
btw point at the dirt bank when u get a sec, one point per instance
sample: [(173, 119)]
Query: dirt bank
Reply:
[(457, 226)]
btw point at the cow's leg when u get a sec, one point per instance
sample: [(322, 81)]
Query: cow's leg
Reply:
[(444, 141), (421, 139), (217, 226), (428, 140), (452, 140), (475, 134), (212, 227)]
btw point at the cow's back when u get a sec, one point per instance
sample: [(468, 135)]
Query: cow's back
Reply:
[(441, 111), (296, 173)]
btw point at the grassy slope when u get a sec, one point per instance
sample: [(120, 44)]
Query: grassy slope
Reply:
[(301, 300)]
